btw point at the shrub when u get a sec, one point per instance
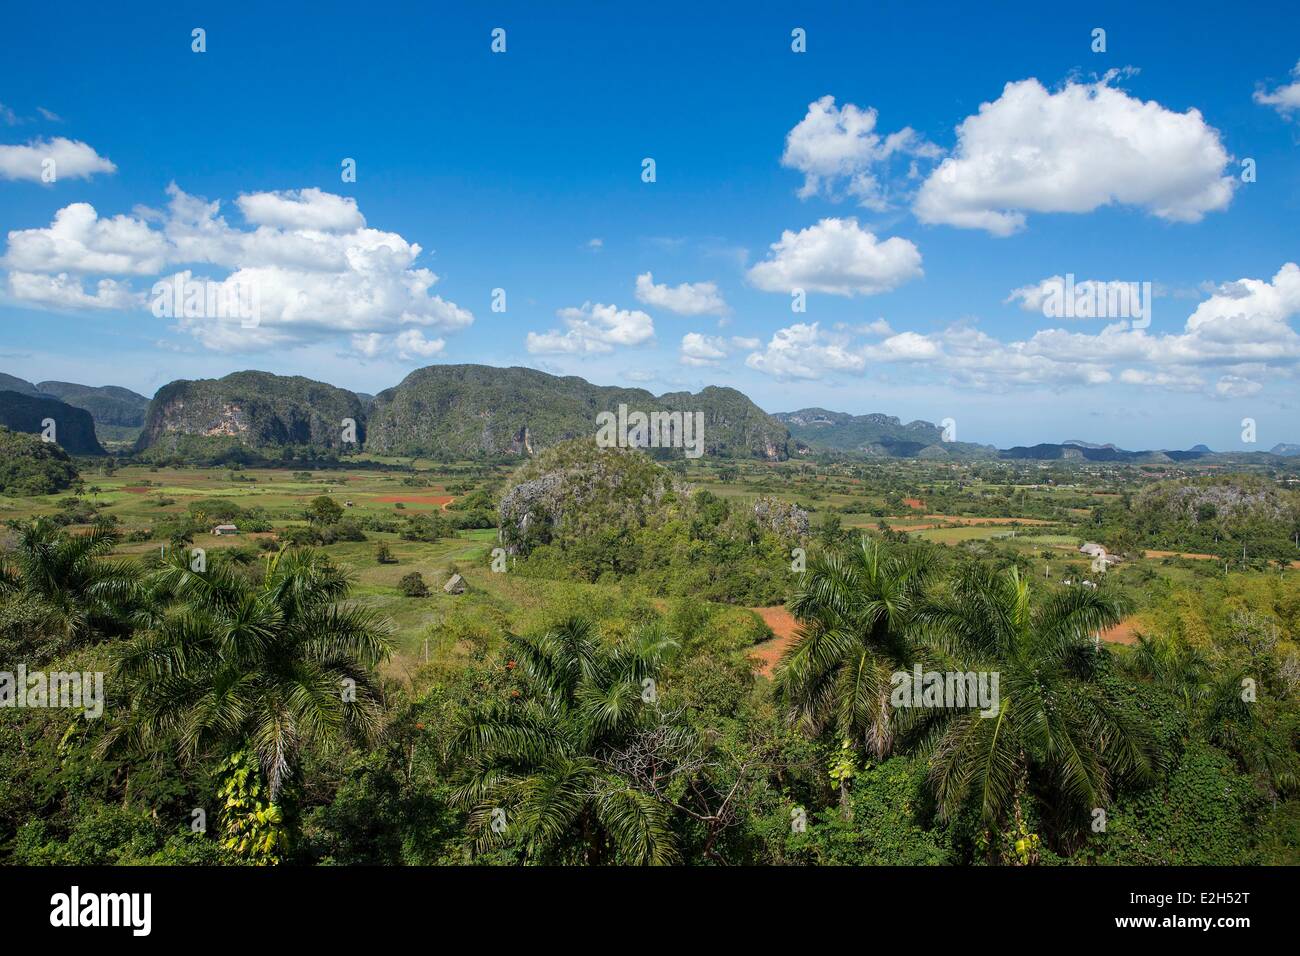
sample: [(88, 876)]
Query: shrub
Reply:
[(412, 585)]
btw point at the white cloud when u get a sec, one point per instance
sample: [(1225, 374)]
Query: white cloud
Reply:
[(837, 148), (79, 241), (803, 351), (1086, 146), (592, 329), (63, 291), (903, 347), (1242, 332), (1032, 297), (370, 344), (1253, 305), (321, 272), (689, 298), (1284, 99), (701, 350), (1234, 386), (837, 257), (410, 344), (413, 344), (709, 350), (307, 209), (73, 159)]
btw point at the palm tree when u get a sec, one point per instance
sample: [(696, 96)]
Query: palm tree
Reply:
[(855, 610), (71, 591), (1060, 736), (271, 663), (1212, 700), (545, 769)]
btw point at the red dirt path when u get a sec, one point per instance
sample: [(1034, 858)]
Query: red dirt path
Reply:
[(783, 625)]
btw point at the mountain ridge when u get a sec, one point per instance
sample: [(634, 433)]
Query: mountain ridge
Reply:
[(472, 410)]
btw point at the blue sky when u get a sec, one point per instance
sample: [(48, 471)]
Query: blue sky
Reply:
[(909, 229)]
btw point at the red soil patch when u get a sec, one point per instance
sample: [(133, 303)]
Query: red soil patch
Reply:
[(916, 503), (442, 500), (1181, 554), (136, 490), (1122, 633), (783, 625)]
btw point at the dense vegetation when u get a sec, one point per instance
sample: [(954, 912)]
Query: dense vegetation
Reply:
[(30, 466), (306, 692), (612, 514), (1220, 515)]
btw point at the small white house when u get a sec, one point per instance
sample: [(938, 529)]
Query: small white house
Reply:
[(1092, 550), (225, 529)]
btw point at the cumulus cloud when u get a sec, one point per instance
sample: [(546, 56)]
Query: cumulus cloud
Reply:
[(72, 159), (63, 291), (838, 149), (308, 209), (369, 344), (903, 347), (78, 240), (592, 329), (709, 350), (838, 257), (315, 267), (413, 344), (1241, 333), (689, 298), (1085, 146), (804, 351), (701, 350), (1285, 99), (408, 345), (1032, 297)]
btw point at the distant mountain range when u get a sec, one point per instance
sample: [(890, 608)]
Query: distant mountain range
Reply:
[(477, 411), (817, 429), (108, 404), (72, 428)]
